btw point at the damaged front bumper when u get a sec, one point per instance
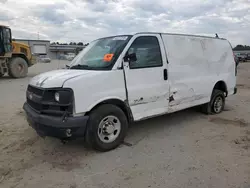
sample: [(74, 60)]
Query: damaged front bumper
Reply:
[(53, 126)]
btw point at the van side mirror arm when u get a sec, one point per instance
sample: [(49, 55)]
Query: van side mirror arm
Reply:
[(130, 57)]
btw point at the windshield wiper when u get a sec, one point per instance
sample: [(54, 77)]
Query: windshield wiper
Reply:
[(79, 66)]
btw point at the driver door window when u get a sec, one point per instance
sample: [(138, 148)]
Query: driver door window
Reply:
[(147, 51)]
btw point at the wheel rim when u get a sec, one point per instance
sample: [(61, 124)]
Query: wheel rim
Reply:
[(109, 129), (218, 104)]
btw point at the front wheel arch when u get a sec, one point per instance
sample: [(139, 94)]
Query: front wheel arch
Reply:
[(119, 103)]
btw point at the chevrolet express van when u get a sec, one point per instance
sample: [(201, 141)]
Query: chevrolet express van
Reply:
[(120, 79)]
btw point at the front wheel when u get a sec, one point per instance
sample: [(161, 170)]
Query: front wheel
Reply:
[(107, 127), (216, 104)]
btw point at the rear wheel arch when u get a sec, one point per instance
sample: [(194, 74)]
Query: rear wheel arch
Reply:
[(221, 85), (219, 90)]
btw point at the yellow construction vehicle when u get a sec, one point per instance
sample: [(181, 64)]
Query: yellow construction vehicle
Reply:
[(15, 57)]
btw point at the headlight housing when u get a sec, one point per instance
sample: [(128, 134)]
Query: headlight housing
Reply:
[(63, 96), (60, 96)]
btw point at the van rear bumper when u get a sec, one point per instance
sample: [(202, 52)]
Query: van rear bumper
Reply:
[(53, 126)]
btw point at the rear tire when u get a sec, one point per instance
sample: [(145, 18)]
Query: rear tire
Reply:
[(216, 104), (18, 68), (107, 127)]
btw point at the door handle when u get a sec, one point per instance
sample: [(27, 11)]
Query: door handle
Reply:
[(165, 74)]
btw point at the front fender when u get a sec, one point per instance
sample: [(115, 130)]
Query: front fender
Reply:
[(92, 89)]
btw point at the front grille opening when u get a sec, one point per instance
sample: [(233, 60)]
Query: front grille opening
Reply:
[(35, 90), (49, 96), (42, 106)]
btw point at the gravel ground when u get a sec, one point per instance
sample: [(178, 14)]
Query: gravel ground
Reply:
[(183, 149)]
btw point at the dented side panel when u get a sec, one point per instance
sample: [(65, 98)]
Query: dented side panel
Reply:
[(196, 64)]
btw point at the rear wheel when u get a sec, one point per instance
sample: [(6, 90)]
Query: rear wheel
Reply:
[(18, 68), (216, 104), (107, 127)]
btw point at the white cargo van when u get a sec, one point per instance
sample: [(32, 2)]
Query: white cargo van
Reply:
[(121, 79)]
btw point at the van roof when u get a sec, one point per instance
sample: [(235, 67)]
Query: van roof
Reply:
[(164, 34), (180, 35)]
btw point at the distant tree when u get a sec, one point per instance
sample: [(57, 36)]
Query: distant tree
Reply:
[(86, 44), (72, 43), (78, 50), (241, 47), (80, 43)]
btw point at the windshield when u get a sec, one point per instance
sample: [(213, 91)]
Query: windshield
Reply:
[(100, 54)]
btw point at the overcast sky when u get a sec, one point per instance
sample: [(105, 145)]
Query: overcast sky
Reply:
[(85, 20)]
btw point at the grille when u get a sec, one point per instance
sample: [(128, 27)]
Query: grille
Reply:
[(35, 90), (39, 92), (40, 101), (34, 105)]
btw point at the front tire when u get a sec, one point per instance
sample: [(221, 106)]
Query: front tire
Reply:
[(107, 127), (18, 68), (216, 104)]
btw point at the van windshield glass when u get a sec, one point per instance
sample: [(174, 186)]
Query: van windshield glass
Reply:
[(100, 54)]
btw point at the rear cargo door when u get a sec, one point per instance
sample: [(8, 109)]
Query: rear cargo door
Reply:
[(146, 78)]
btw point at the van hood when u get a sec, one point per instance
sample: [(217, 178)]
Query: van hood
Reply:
[(56, 78)]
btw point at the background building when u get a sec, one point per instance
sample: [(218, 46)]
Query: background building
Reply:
[(52, 51), (37, 47), (58, 51)]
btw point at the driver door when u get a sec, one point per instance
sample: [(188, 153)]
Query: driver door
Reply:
[(146, 78)]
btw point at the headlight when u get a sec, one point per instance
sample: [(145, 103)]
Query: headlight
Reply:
[(60, 96), (57, 97)]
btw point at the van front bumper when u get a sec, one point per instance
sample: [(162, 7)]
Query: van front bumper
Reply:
[(53, 126)]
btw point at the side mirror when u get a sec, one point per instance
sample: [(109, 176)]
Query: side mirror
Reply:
[(130, 57)]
